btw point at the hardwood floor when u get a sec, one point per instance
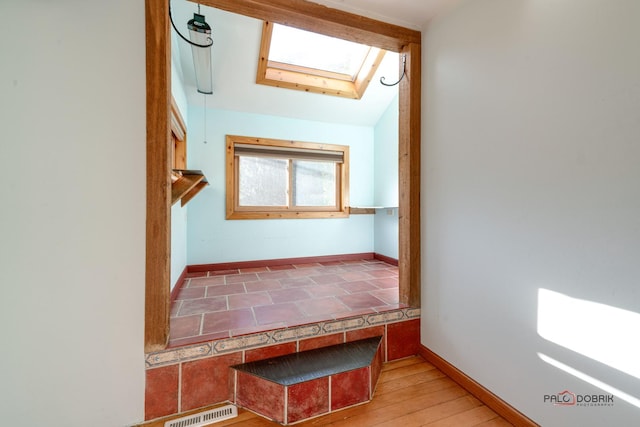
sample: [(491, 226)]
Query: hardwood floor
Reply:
[(410, 393)]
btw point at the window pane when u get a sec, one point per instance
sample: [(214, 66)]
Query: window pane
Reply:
[(314, 183), (312, 50), (262, 181)]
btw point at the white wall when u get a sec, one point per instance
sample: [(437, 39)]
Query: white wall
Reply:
[(386, 182), (212, 239), (178, 241), (177, 86), (386, 157), (531, 201), (386, 232), (72, 188)]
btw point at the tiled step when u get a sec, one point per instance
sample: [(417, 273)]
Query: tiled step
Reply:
[(292, 388)]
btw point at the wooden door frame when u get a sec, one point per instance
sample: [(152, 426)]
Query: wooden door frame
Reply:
[(301, 14)]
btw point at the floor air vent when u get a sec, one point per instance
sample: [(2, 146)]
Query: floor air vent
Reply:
[(205, 418)]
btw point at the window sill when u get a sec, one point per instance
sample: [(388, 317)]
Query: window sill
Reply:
[(286, 214)]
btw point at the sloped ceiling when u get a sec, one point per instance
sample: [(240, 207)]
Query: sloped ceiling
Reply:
[(235, 58)]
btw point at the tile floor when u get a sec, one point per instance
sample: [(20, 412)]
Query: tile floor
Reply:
[(222, 304)]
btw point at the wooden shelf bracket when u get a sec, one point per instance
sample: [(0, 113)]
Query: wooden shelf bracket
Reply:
[(185, 184)]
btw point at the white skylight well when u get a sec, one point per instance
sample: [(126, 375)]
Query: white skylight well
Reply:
[(303, 60)]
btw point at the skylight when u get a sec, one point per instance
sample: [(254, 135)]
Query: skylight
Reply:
[(302, 60), (316, 51)]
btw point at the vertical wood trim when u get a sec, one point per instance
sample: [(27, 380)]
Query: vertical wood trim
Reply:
[(345, 184), (263, 57), (179, 138), (231, 178), (409, 177), (178, 126), (159, 147)]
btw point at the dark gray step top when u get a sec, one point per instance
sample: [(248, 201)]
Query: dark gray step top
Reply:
[(313, 364)]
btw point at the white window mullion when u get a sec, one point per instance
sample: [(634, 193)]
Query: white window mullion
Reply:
[(290, 189)]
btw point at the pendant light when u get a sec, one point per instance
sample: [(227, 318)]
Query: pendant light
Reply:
[(201, 41)]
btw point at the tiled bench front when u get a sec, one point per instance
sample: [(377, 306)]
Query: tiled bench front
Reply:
[(292, 388)]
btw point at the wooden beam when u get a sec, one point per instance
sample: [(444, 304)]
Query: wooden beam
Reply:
[(158, 227), (409, 179), (321, 19)]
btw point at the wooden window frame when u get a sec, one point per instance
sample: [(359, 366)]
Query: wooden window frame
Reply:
[(179, 137), (278, 74), (235, 211), (312, 17)]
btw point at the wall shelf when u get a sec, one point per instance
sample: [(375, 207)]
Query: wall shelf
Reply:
[(353, 210), (367, 210), (185, 184)]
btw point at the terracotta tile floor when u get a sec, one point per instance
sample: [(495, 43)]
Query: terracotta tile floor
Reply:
[(222, 304)]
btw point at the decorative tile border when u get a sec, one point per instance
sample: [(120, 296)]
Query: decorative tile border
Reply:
[(278, 336), (292, 334), (242, 343), (389, 317), (167, 357), (344, 325)]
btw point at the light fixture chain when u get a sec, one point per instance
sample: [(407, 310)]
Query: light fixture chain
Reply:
[(205, 118)]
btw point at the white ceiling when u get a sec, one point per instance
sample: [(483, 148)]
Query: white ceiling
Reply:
[(236, 43), (407, 13)]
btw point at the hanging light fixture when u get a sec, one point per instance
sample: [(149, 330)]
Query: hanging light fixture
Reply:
[(201, 41)]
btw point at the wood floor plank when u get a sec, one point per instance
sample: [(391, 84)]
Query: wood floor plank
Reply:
[(434, 413), (397, 364), (413, 391), (246, 418), (374, 414), (406, 371), (471, 417), (408, 381), (495, 422), (403, 400)]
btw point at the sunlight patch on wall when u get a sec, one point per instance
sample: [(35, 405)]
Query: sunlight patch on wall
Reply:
[(601, 332), (591, 380)]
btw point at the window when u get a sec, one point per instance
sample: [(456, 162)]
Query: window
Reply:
[(270, 178), (302, 60)]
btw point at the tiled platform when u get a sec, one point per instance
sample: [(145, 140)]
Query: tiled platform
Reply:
[(215, 305), (295, 387), (180, 379), (193, 372)]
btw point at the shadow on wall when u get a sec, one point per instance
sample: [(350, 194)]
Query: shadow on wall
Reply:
[(598, 332)]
